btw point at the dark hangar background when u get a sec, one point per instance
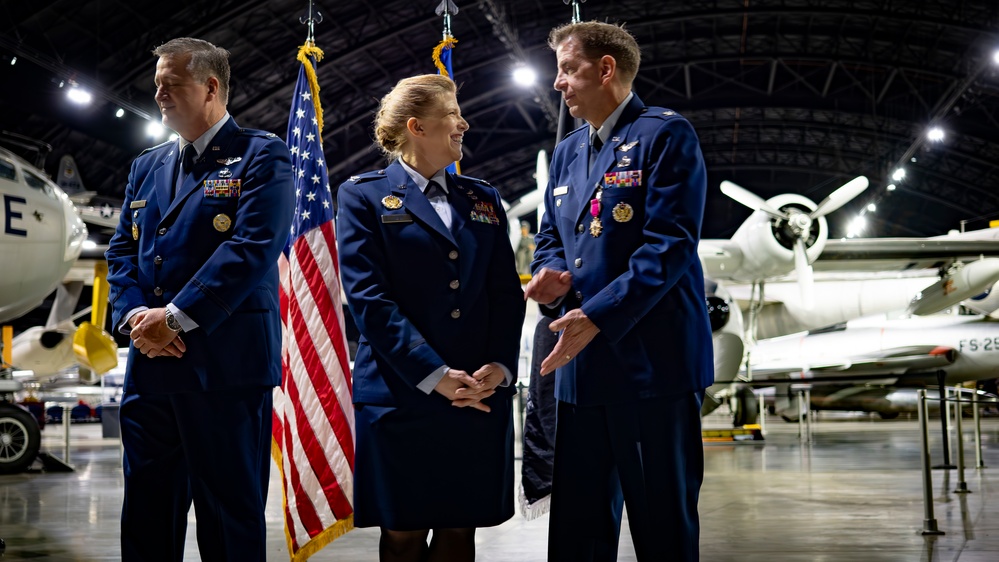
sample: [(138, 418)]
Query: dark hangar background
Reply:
[(787, 96)]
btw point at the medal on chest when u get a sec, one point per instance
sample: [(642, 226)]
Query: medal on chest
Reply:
[(596, 227)]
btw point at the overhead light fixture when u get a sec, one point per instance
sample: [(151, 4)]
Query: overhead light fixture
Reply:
[(891, 187), (871, 207), (13, 61), (898, 175), (525, 76), (79, 96), (856, 226), (154, 129), (173, 137), (120, 113), (995, 57), (935, 134)]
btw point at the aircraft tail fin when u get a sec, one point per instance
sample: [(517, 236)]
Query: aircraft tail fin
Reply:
[(68, 177)]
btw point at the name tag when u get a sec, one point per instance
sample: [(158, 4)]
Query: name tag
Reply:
[(137, 204), (400, 218), (561, 190)]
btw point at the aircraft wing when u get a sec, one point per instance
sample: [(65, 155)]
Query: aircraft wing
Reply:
[(105, 215), (901, 254), (893, 362)]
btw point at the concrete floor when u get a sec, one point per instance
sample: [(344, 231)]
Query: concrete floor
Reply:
[(853, 494)]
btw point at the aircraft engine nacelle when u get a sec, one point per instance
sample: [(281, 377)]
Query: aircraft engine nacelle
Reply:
[(45, 351), (767, 243), (985, 303)]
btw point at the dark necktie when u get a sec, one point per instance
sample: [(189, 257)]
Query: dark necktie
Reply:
[(434, 190), (187, 160), (186, 165), (595, 145)]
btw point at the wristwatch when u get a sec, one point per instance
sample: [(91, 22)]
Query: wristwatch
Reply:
[(172, 322)]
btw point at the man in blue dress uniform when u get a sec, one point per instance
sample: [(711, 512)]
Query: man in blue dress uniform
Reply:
[(617, 253), (194, 281)]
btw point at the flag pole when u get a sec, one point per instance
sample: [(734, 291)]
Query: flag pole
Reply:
[(443, 51), (565, 123)]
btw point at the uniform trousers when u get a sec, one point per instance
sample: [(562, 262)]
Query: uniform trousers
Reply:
[(209, 447), (645, 454)]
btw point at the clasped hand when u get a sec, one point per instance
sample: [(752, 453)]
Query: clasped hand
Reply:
[(464, 390), (152, 337)]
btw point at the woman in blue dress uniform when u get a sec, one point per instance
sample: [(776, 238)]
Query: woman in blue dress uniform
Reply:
[(431, 282)]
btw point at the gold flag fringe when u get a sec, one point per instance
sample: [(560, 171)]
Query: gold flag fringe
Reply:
[(447, 43), (318, 542), (310, 48)]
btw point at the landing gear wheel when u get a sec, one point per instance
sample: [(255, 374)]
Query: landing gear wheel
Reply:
[(745, 407), (19, 439)]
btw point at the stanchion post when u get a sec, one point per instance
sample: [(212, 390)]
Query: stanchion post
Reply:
[(66, 414), (962, 486), (929, 521), (808, 415), (763, 416), (801, 416), (979, 461)]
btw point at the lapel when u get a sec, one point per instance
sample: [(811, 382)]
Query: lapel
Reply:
[(413, 199), (584, 180), (461, 205), (162, 175), (202, 166)]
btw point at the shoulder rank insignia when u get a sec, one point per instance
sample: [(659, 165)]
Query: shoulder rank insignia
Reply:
[(391, 202)]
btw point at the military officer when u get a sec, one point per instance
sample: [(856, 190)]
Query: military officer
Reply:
[(616, 253), (194, 282), (430, 279)]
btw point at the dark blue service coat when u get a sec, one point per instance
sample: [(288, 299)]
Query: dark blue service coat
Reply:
[(212, 250), (640, 280), (423, 296)]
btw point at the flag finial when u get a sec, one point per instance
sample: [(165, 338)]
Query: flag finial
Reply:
[(311, 20), (446, 8)]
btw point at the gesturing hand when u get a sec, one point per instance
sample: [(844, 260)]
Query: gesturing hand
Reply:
[(577, 332), (548, 285)]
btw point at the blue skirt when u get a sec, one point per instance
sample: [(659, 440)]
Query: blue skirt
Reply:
[(433, 467)]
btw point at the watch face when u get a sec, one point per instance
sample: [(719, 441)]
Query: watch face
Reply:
[(172, 323)]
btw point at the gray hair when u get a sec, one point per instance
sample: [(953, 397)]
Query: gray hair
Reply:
[(207, 60)]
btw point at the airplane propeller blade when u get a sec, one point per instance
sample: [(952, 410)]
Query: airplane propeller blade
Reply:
[(749, 199), (840, 197), (806, 279)]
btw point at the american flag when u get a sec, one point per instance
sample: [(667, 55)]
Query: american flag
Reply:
[(313, 416)]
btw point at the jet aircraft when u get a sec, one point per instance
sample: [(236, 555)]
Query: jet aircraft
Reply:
[(880, 355)]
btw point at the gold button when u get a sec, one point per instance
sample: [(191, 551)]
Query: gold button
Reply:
[(158, 292), (456, 314), (581, 227), (579, 262), (158, 260), (454, 284), (161, 231), (453, 254)]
